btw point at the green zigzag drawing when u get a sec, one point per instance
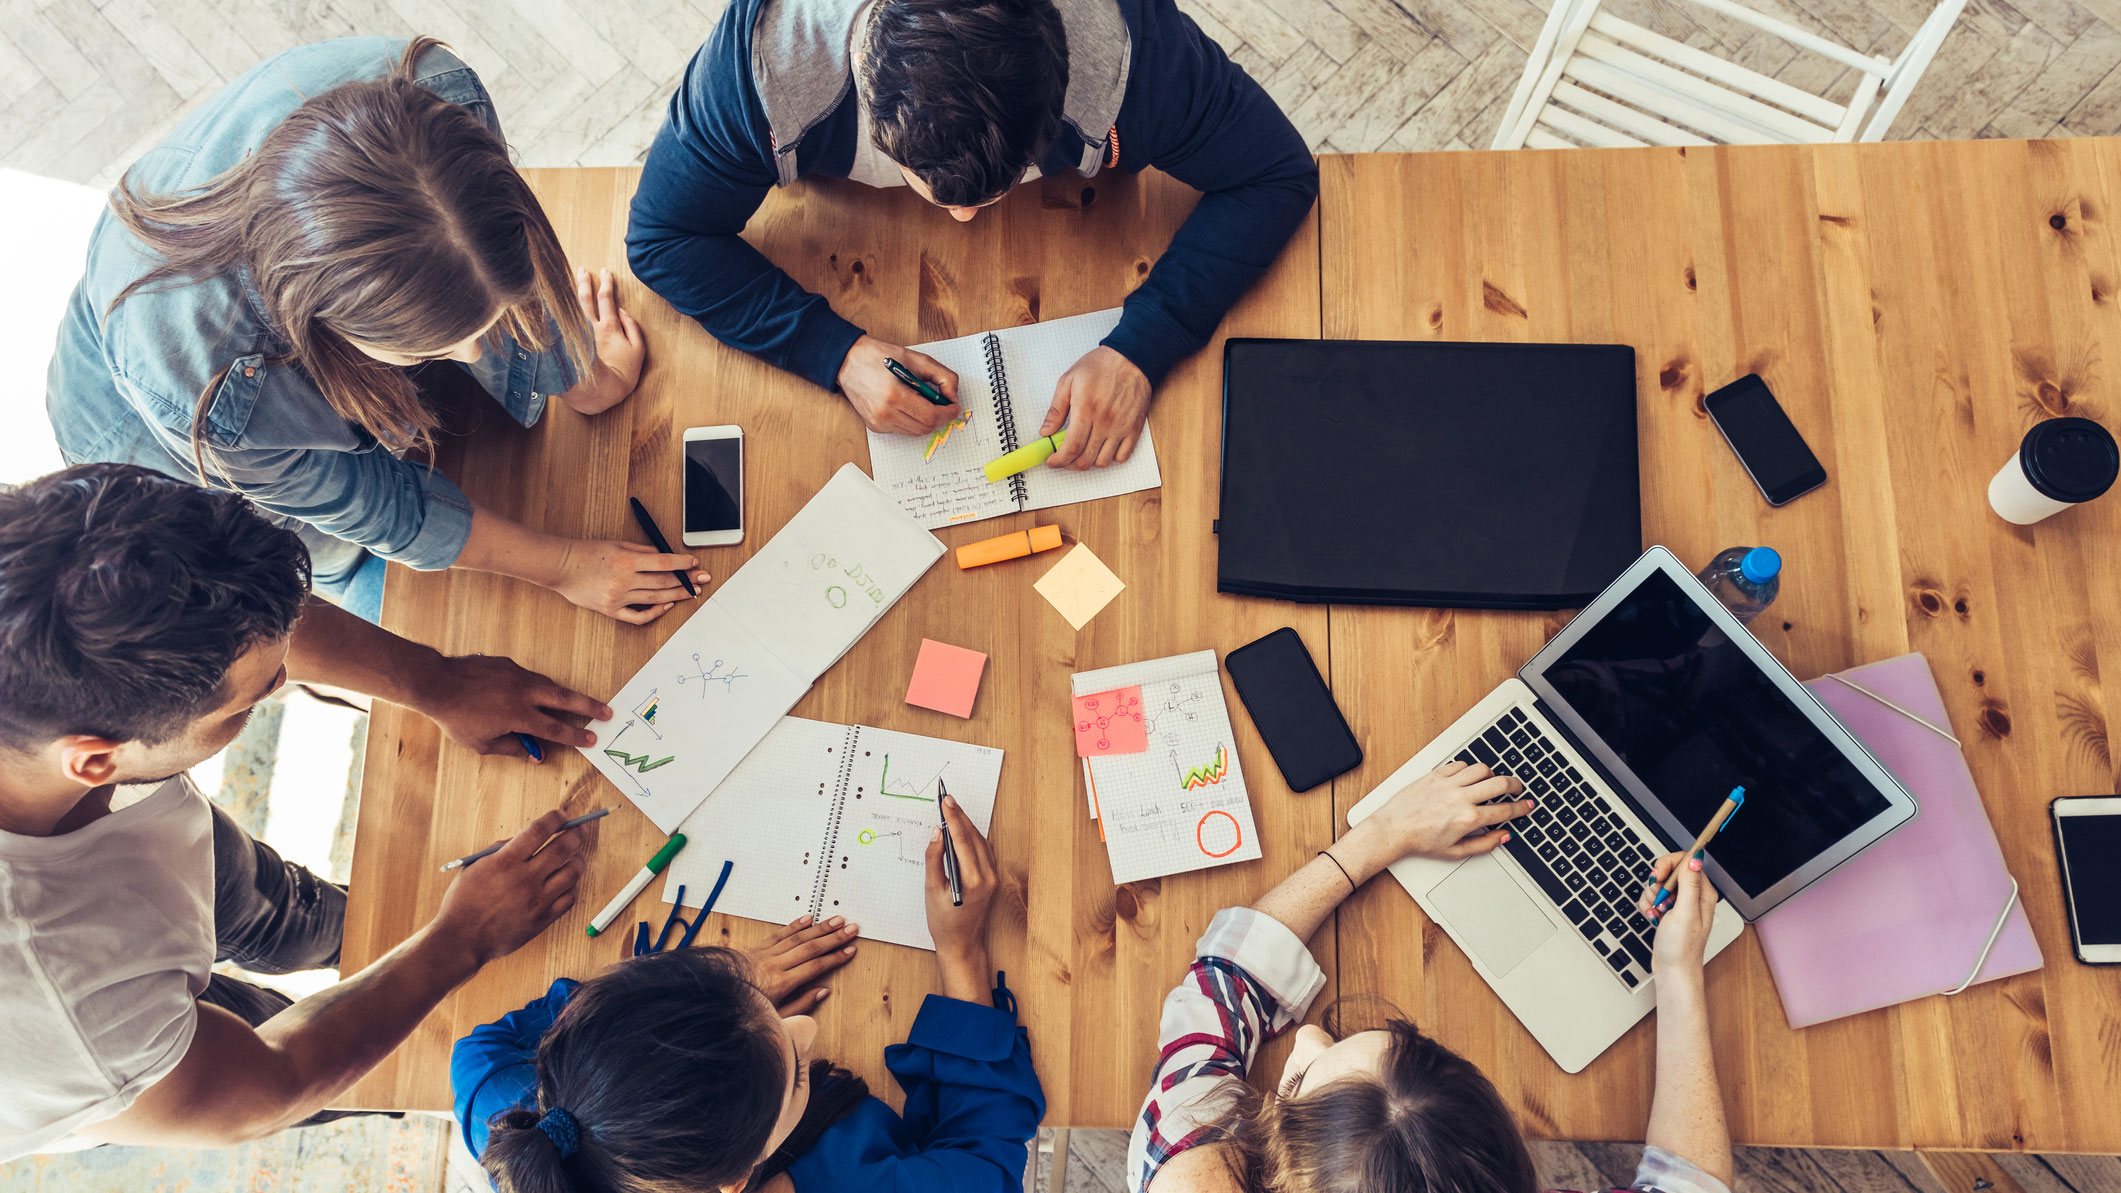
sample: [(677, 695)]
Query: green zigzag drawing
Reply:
[(639, 762)]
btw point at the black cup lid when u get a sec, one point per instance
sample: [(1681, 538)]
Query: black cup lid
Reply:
[(2069, 459)]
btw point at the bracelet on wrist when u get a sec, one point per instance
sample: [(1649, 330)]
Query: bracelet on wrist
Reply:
[(1328, 855)]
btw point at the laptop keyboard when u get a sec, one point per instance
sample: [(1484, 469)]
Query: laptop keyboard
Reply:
[(1590, 862)]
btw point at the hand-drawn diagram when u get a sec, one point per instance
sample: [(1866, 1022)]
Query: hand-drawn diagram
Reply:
[(1207, 774), (939, 438), (639, 762), (883, 783), (645, 712), (897, 839), (704, 674), (1178, 702), (1110, 722)]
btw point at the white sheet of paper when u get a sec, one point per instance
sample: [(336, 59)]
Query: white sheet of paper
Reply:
[(1181, 805), (830, 573)]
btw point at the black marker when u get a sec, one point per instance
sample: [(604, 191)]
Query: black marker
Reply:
[(656, 540)]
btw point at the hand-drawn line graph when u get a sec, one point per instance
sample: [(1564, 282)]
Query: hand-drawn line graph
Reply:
[(1207, 774), (704, 674), (639, 762), (883, 783)]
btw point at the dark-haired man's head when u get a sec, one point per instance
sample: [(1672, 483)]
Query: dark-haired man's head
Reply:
[(964, 95), (141, 618)]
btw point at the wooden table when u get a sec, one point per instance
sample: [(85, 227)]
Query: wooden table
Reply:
[(1914, 305)]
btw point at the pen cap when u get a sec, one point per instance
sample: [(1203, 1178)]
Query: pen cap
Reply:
[(669, 850)]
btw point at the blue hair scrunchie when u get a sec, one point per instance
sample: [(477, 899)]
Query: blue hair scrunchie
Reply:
[(560, 1127)]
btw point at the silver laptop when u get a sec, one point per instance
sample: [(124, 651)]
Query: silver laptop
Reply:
[(1630, 727)]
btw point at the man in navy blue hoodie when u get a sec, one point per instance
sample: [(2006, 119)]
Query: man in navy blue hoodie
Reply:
[(961, 100)]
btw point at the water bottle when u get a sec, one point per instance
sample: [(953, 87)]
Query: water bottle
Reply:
[(1745, 579)]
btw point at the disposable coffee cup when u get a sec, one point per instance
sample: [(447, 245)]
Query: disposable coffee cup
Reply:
[(2061, 462)]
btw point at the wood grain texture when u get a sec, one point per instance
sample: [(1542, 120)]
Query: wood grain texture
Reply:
[(1090, 963), (1916, 307)]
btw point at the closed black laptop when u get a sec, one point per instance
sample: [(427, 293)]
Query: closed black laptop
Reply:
[(1498, 476)]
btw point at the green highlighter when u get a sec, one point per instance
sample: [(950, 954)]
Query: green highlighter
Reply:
[(641, 878), (1025, 458)]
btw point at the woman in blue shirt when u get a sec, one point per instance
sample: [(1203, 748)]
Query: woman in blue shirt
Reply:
[(268, 275), (678, 1073)]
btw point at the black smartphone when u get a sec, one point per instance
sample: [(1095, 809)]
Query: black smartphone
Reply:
[(2087, 840), (1767, 442), (1292, 707)]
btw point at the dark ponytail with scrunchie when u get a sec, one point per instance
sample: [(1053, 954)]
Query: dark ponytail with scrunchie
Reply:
[(665, 1075)]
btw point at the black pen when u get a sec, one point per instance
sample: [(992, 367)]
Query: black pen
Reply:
[(656, 540), (934, 395), (957, 886)]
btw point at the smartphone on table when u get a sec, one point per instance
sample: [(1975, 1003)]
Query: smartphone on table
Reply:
[(714, 486), (2088, 845), (1293, 709), (1767, 442)]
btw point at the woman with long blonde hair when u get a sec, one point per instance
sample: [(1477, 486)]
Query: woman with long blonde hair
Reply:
[(276, 283)]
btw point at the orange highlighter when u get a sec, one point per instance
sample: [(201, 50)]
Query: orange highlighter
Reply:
[(1008, 546)]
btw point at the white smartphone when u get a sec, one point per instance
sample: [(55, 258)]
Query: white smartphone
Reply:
[(714, 486), (2088, 839)]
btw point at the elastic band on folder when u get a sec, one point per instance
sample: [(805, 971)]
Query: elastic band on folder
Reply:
[(2009, 904)]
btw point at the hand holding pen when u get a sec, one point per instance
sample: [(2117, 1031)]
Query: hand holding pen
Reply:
[(957, 912), (870, 377)]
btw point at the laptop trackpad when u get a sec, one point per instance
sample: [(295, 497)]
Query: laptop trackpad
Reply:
[(1490, 915)]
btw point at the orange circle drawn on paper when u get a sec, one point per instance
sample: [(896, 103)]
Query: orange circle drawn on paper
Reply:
[(1198, 829)]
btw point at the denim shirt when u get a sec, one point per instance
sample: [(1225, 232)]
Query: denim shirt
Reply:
[(124, 388)]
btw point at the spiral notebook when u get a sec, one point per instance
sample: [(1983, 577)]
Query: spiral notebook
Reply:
[(825, 819), (1180, 804), (1006, 381), (749, 652)]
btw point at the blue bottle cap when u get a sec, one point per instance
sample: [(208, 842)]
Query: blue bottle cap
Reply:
[(1760, 565)]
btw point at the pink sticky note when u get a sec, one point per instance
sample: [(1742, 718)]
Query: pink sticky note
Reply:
[(1110, 723), (946, 678)]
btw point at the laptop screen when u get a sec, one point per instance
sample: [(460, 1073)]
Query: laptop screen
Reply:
[(1692, 715)]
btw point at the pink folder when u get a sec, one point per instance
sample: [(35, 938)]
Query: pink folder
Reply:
[(1909, 917)]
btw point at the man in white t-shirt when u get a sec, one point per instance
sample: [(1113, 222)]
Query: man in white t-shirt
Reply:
[(141, 619)]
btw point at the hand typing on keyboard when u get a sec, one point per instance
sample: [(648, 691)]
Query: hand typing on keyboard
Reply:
[(1451, 812)]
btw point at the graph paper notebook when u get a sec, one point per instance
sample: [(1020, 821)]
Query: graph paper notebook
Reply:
[(1911, 915), (1006, 381), (1180, 805), (750, 651), (829, 820)]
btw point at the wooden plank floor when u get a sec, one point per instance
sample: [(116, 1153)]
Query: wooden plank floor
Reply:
[(86, 85), (1096, 1164)]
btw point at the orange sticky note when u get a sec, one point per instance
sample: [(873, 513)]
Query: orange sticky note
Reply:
[(946, 678), (1110, 723)]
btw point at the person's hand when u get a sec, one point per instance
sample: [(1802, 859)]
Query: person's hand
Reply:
[(483, 701), (502, 900), (1443, 814), (620, 348), (961, 932), (788, 966), (1109, 399), (626, 581), (888, 405), (1683, 923)]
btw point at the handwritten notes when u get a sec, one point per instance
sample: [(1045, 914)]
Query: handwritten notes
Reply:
[(1110, 723), (1079, 586), (946, 678)]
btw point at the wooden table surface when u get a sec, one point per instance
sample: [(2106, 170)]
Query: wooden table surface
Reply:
[(1914, 305)]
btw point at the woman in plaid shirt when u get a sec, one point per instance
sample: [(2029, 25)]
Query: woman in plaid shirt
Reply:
[(1390, 1110)]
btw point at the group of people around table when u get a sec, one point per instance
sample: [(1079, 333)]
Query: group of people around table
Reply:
[(281, 307)]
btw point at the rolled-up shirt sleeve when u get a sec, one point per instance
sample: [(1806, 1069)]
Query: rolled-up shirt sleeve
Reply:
[(398, 509)]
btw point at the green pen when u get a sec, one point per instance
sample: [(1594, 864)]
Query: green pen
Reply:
[(635, 884), (920, 387)]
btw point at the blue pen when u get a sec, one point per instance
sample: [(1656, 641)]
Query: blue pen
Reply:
[(1717, 823), (530, 747)]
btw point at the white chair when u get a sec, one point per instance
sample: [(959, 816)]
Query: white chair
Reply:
[(1594, 79)]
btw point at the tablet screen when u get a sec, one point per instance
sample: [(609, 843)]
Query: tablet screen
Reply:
[(1693, 716)]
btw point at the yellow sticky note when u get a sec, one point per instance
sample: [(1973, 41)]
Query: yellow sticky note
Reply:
[(1079, 585)]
